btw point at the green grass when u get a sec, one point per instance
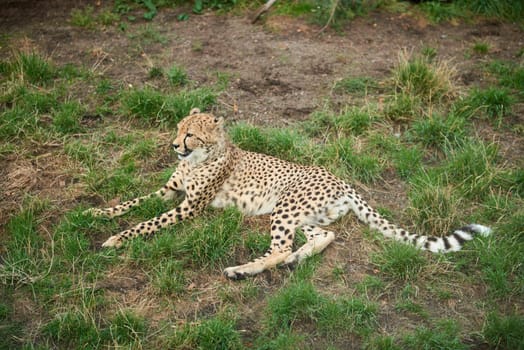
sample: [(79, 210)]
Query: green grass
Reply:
[(256, 244), (214, 333), (444, 336), (213, 243), (493, 104), (481, 48), (67, 119), (155, 72), (283, 340), (409, 306), (504, 332), (152, 107), (83, 17), (32, 68), (79, 329), (439, 132), (205, 243), (509, 75), (73, 329), (177, 76), (359, 165), (148, 34), (127, 328), (505, 9), (381, 343), (353, 120), (335, 317), (407, 160), (429, 81), (439, 12), (370, 284), (399, 261), (473, 166), (22, 261), (402, 107), (286, 143), (356, 85), (500, 258), (434, 203)]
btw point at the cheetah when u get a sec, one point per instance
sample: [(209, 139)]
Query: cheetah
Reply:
[(213, 171)]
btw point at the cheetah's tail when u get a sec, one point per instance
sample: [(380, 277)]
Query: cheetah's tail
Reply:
[(452, 242)]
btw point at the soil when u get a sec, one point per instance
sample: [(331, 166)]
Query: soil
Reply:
[(281, 69)]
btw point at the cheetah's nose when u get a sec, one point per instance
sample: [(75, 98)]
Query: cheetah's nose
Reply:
[(176, 145)]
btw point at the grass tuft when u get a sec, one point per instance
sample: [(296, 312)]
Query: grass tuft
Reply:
[(292, 304), (438, 132), (356, 85), (402, 107), (177, 76), (73, 329), (504, 332), (500, 259), (434, 203), (472, 166), (83, 17), (153, 107), (353, 120), (284, 143), (493, 104), (408, 161), (169, 278), (212, 242), (127, 328), (444, 336), (33, 68), (481, 48), (428, 81), (67, 118), (214, 333), (399, 260), (284, 340), (509, 74), (439, 12), (205, 242), (300, 302), (360, 165)]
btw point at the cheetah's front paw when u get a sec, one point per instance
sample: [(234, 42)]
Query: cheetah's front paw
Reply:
[(234, 274), (113, 241), (242, 271)]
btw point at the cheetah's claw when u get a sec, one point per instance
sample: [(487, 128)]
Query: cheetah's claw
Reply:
[(234, 275)]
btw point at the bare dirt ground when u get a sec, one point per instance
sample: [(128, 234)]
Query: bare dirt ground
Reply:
[(281, 70)]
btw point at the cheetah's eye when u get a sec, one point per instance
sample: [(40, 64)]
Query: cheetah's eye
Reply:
[(189, 135)]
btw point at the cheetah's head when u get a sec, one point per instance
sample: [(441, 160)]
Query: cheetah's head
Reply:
[(199, 135)]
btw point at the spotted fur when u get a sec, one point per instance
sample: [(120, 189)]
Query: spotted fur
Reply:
[(212, 171)]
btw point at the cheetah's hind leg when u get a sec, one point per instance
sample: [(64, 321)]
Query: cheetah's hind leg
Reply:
[(317, 240)]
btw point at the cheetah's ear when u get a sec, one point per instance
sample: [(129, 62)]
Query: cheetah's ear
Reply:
[(219, 121), (194, 111)]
